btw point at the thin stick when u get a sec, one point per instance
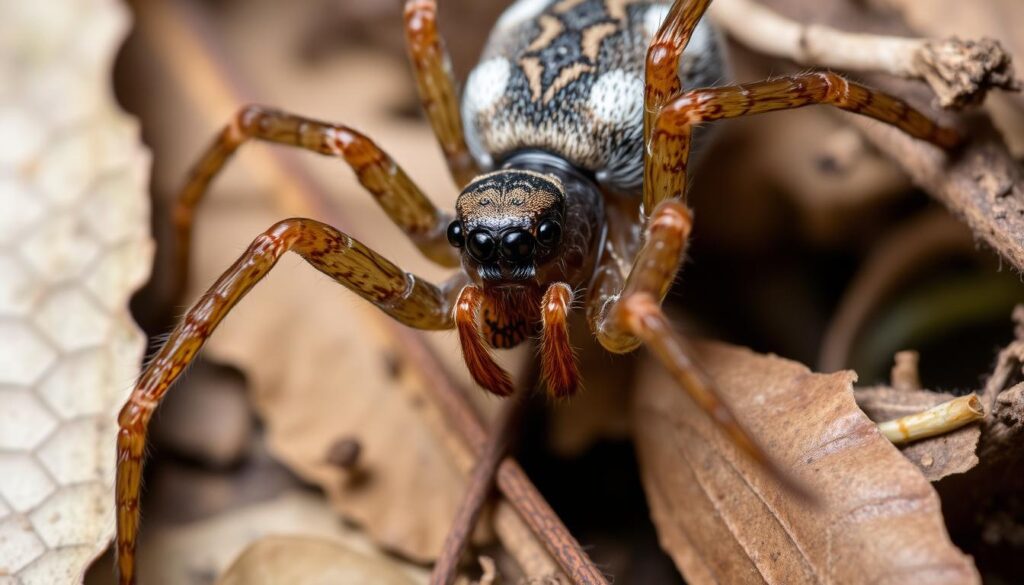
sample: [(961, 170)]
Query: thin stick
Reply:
[(303, 193), (512, 481), (937, 420), (960, 72), (481, 482)]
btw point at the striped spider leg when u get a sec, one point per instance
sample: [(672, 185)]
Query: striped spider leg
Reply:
[(625, 307), (434, 80), (393, 190), (403, 296)]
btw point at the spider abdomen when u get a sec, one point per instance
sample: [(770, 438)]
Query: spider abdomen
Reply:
[(567, 76)]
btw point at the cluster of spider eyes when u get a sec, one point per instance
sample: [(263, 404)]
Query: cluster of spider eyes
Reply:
[(515, 245)]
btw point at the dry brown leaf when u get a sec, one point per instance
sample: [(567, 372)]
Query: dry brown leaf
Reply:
[(722, 520), (936, 457), (179, 554), (1003, 398), (986, 492), (74, 245), (308, 561)]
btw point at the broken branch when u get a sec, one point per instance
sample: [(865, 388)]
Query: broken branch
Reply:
[(960, 72)]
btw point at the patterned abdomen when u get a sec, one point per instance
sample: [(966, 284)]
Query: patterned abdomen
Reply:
[(567, 76)]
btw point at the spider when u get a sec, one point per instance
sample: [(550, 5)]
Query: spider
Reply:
[(571, 147)]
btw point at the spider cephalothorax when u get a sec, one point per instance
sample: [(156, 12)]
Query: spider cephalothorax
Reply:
[(586, 109), (534, 222), (507, 224), (528, 235)]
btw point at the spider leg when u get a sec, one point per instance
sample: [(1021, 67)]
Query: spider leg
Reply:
[(661, 74), (433, 70), (393, 190), (669, 146), (652, 273), (558, 366), (401, 295), (633, 317), (485, 371)]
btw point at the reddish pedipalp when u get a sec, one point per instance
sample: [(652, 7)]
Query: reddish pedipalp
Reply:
[(559, 366), (487, 373)]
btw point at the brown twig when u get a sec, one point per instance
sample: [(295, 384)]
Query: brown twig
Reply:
[(481, 481), (904, 374), (511, 479), (981, 182), (180, 41), (960, 72)]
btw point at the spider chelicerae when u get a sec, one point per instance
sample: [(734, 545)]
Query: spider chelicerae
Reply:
[(571, 144)]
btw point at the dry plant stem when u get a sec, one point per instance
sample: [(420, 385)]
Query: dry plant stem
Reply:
[(959, 72), (938, 420), (481, 482), (179, 40), (982, 186)]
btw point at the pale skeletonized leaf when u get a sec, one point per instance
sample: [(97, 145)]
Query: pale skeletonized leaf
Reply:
[(74, 245), (723, 520)]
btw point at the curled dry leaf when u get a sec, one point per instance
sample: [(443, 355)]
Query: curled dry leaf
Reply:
[(722, 520), (74, 245), (308, 561), (980, 517), (1003, 398), (178, 554)]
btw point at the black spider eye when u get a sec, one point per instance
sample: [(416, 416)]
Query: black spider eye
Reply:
[(455, 236), (517, 245), (480, 245), (548, 233)]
